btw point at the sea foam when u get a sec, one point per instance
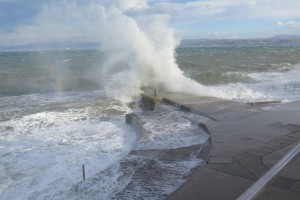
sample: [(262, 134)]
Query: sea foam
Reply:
[(42, 153)]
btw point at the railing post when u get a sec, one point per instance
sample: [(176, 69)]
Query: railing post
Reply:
[(83, 172), (155, 92)]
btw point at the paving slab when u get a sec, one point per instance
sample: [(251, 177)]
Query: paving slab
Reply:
[(233, 168), (253, 163), (209, 184), (276, 193), (284, 182), (293, 170)]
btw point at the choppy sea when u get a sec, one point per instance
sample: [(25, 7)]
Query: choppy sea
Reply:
[(55, 116)]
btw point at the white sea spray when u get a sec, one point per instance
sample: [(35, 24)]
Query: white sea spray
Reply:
[(140, 49)]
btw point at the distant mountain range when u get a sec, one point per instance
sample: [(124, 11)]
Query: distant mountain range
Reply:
[(279, 40)]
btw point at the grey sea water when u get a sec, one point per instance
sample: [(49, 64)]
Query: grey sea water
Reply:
[(246, 73), (28, 72), (223, 65), (55, 116)]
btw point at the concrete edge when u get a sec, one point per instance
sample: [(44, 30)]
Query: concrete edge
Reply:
[(187, 109)]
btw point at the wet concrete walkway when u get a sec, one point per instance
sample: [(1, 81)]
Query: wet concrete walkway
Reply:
[(247, 139)]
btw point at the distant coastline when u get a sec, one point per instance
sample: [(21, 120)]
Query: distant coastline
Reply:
[(279, 40)]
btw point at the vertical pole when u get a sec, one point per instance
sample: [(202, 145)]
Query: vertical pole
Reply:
[(83, 172), (155, 91)]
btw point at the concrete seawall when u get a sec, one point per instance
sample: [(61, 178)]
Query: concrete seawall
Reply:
[(246, 140)]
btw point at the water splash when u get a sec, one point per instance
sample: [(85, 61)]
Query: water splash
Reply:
[(140, 52)]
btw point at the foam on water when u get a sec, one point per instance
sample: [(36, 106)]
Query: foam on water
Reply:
[(134, 178), (267, 86), (170, 128), (42, 153), (42, 148), (142, 175), (45, 138)]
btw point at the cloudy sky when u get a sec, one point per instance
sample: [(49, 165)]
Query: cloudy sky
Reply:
[(26, 21)]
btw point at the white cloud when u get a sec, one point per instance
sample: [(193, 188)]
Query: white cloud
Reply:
[(224, 8), (293, 24), (67, 21), (197, 15), (81, 20), (280, 23)]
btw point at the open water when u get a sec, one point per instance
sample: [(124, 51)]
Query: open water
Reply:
[(55, 116)]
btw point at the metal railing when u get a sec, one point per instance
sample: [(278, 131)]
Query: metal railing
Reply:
[(292, 87), (263, 182)]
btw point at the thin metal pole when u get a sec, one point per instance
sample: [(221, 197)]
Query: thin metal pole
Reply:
[(83, 172), (155, 91), (261, 184)]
